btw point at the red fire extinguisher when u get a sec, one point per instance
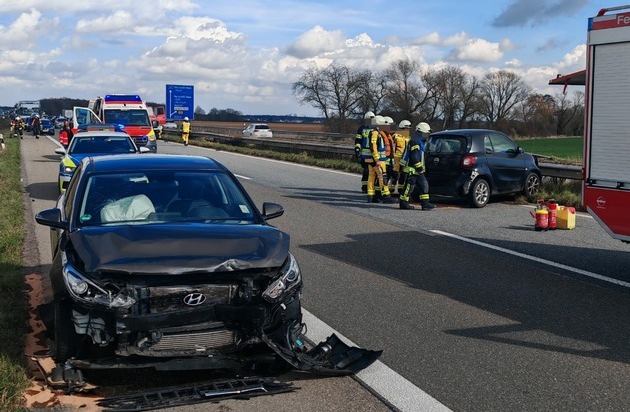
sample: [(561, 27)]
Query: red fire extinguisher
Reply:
[(541, 216), (552, 207)]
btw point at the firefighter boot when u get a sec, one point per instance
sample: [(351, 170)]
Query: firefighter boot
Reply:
[(370, 199), (426, 205), (405, 205), (388, 200)]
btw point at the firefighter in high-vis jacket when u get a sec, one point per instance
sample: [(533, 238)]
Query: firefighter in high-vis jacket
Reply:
[(414, 158), (377, 162), (400, 138), (185, 130), (361, 139)]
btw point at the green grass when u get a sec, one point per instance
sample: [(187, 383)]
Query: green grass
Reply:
[(13, 309), (567, 149)]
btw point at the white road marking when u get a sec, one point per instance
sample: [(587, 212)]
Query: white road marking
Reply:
[(390, 386), (536, 259)]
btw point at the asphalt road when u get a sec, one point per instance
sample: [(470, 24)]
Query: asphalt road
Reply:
[(471, 306)]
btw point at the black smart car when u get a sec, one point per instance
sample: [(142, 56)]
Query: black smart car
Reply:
[(479, 163), (164, 262)]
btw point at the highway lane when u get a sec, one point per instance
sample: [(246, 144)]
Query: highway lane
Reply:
[(475, 327)]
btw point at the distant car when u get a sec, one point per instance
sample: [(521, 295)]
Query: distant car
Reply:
[(258, 130), (165, 262), (479, 163), (169, 125), (59, 120), (92, 143), (48, 127)]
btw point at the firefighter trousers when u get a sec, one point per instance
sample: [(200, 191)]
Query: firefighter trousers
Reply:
[(412, 181), (376, 175)]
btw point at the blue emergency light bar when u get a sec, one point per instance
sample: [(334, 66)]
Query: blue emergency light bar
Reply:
[(122, 98), (101, 127)]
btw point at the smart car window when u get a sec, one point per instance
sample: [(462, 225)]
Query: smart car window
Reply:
[(502, 143), (447, 145)]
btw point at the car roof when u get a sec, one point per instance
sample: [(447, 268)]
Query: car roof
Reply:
[(101, 133), (124, 162), (469, 132)]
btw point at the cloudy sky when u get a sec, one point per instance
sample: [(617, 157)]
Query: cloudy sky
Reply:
[(244, 54)]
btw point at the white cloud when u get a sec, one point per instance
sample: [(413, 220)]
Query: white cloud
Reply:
[(316, 41), (477, 50), (119, 22), (22, 31)]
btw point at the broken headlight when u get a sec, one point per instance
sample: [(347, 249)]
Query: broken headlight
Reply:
[(85, 290), (289, 279)]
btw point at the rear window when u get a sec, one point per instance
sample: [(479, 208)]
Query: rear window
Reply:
[(262, 127), (447, 144)]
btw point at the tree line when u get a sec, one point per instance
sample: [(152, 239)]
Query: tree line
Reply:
[(446, 98)]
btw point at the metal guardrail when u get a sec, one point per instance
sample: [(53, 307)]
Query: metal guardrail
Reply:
[(559, 171)]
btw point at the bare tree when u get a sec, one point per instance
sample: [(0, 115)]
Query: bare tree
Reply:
[(407, 96), (500, 92), (570, 114), (455, 91), (335, 90), (537, 115), (373, 93)]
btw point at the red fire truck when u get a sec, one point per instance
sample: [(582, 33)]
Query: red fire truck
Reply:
[(606, 165)]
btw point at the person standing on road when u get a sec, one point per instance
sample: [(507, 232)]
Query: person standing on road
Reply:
[(401, 139), (36, 125), (185, 130), (414, 158), (377, 164), (67, 127), (360, 145)]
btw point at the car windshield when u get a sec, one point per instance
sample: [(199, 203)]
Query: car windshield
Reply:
[(163, 197), (446, 145), (130, 117), (100, 144)]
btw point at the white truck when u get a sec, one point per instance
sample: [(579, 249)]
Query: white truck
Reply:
[(606, 164)]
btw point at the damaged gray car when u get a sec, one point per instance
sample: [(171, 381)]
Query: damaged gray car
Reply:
[(164, 262)]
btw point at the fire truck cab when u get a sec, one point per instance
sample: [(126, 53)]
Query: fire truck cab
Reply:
[(128, 112), (606, 164)]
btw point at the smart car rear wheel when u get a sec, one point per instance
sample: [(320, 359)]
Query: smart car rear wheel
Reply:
[(479, 193), (532, 186)]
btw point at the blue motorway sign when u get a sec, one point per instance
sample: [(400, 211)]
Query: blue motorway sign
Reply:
[(180, 102)]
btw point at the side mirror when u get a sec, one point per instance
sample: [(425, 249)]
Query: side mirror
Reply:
[(155, 124), (144, 149), (60, 151), (51, 218), (272, 210)]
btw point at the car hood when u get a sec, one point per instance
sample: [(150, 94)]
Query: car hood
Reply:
[(178, 249)]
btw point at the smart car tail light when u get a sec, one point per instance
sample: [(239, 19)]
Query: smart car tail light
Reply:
[(469, 161)]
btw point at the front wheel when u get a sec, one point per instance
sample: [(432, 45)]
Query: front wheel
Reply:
[(480, 193), (532, 186), (66, 340)]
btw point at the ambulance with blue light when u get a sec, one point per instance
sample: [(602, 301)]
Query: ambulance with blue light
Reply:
[(128, 111)]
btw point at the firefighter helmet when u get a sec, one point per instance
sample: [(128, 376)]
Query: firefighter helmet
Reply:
[(404, 124), (186, 118), (389, 120), (423, 127), (369, 115), (378, 121)]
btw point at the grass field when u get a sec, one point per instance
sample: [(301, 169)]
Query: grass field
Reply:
[(561, 148)]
